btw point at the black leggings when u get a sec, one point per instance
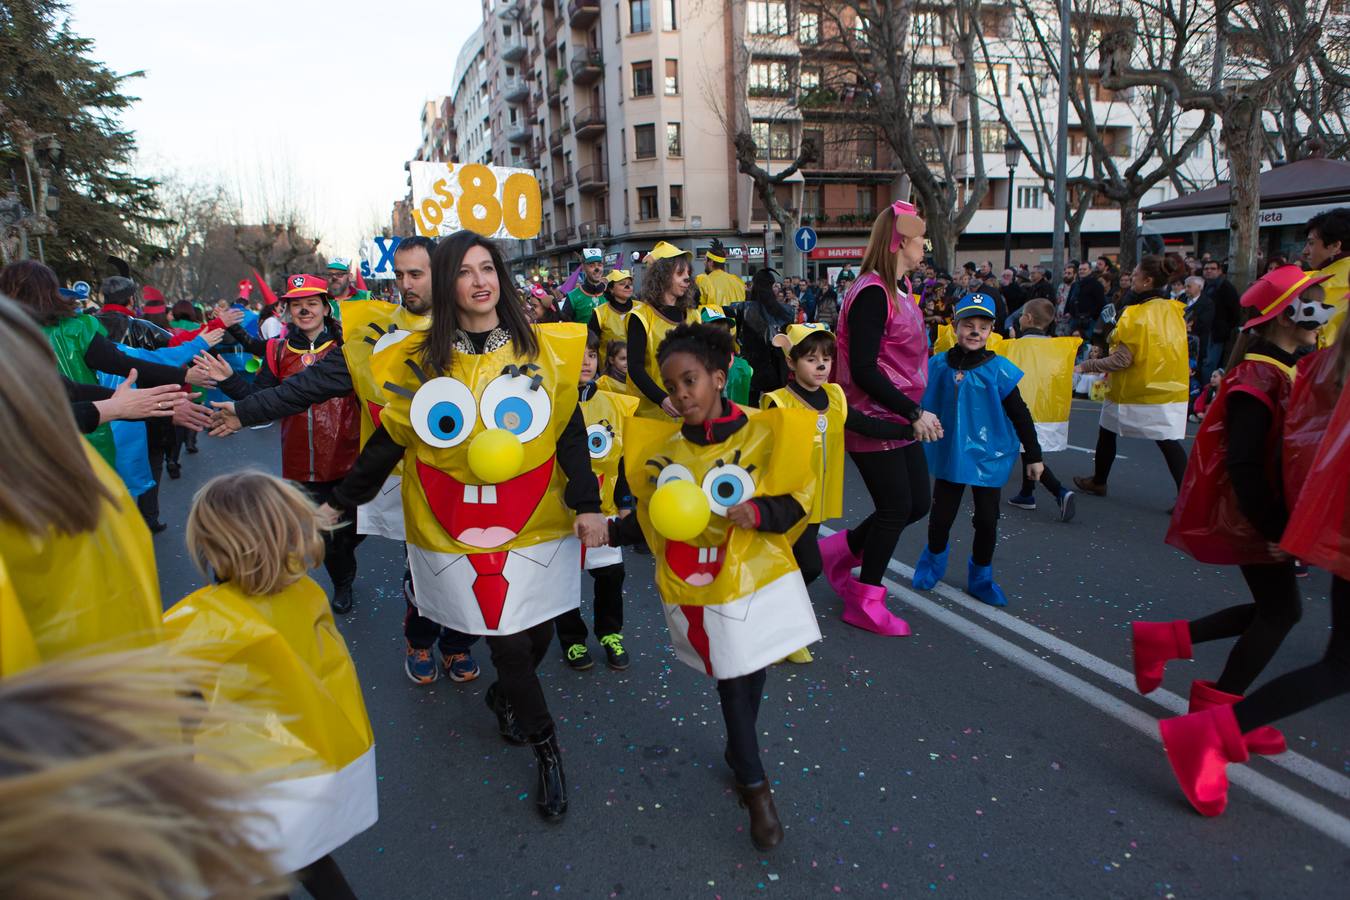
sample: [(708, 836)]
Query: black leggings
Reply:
[(608, 608), (897, 480), (324, 880), (947, 500), (807, 553), (1172, 451), (1048, 481), (1259, 626), (339, 544), (516, 657), (1306, 687), (740, 709)]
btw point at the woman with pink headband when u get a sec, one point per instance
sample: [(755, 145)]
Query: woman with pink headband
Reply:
[(883, 369)]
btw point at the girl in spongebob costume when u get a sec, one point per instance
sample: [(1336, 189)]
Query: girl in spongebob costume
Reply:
[(733, 597), (268, 628), (75, 576), (482, 411), (667, 300)]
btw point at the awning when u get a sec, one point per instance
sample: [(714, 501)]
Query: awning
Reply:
[(1269, 218)]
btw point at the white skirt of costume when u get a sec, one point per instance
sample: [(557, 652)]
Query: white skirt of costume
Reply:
[(304, 819), (1152, 421), (732, 639), (383, 516), (1051, 436), (599, 557), (479, 596)]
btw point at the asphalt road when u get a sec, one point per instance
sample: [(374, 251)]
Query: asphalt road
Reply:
[(991, 754)]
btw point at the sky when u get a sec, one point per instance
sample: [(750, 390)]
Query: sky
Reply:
[(312, 105)]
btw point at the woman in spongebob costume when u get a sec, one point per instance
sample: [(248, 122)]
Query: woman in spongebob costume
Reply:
[(1148, 380), (667, 300), (78, 577), (482, 411), (268, 628), (733, 597)]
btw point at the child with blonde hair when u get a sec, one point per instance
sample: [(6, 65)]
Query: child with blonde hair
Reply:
[(270, 626)]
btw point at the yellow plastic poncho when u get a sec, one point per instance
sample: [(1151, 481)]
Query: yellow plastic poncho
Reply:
[(1155, 332), (282, 657), (1047, 383), (98, 590), (1337, 292), (18, 650), (827, 452), (656, 327), (613, 326), (370, 327), (719, 288), (605, 413), (946, 339)]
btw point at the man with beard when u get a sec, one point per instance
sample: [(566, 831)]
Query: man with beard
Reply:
[(580, 303)]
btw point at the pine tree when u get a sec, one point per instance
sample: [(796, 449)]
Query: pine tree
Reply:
[(50, 83)]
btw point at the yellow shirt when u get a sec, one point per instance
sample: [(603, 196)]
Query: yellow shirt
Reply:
[(613, 327), (827, 453), (719, 287)]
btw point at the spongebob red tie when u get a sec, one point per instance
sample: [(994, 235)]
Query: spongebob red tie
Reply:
[(490, 587)]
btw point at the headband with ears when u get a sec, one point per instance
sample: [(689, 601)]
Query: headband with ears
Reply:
[(908, 224)]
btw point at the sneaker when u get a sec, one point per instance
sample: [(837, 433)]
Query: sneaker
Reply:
[(419, 665), (1300, 569), (460, 667), (1066, 505), (1023, 501), (579, 658), (615, 656)]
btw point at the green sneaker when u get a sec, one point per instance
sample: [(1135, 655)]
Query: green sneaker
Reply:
[(579, 658), (615, 656)]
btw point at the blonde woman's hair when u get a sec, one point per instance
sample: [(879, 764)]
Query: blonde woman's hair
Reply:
[(254, 530), (100, 796), (878, 257), (49, 481)]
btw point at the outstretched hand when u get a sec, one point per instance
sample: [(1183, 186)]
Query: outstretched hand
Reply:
[(224, 422)]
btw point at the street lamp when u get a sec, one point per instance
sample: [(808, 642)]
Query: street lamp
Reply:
[(1011, 152)]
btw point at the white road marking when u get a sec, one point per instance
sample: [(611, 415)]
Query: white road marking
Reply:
[(1090, 450)]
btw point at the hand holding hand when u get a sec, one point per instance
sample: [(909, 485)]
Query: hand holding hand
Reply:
[(1035, 470), (1277, 551), (192, 416), (592, 529), (743, 515), (328, 516), (231, 316), (223, 420), (669, 408), (927, 427)]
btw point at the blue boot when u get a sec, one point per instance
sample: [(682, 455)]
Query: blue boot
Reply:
[(980, 584), (930, 568)]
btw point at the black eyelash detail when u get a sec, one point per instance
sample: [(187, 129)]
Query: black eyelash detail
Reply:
[(735, 461), (658, 464), (417, 370), (370, 340), (750, 468), (536, 381), (399, 389), (377, 329)]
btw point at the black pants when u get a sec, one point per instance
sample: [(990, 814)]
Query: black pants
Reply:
[(422, 632), (1173, 452), (325, 881), (340, 543), (1306, 687), (807, 553), (897, 481), (608, 608), (740, 709), (516, 657), (182, 437), (1260, 626), (158, 443), (1048, 481), (947, 501)]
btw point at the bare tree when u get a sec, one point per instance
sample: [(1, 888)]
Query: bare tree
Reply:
[(193, 210), (277, 249)]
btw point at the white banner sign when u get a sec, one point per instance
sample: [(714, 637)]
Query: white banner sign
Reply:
[(377, 258), (495, 201)]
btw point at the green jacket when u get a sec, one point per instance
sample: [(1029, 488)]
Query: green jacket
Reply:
[(70, 339)]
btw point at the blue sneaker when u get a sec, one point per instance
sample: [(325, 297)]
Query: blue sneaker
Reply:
[(1066, 505), (419, 665), (460, 667), (930, 568), (980, 584), (1023, 501)]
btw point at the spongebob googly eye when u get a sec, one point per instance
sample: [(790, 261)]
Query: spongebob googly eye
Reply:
[(599, 439), (727, 484), (668, 471), (390, 338), (515, 401), (442, 412)]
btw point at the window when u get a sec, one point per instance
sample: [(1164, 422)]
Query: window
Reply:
[(642, 79), (926, 28), (808, 28), (1029, 198), (644, 141), (811, 202), (639, 16), (992, 138), (925, 90), (768, 17), (626, 215), (768, 78), (867, 200), (669, 23), (810, 79), (647, 204), (860, 31), (672, 77), (677, 201), (817, 137), (673, 145), (772, 140), (995, 80)]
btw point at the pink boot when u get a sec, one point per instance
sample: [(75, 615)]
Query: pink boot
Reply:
[(1263, 741), (1154, 644), (838, 561), (1200, 746), (865, 608)]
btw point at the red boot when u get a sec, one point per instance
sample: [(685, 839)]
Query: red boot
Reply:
[(1154, 644), (838, 561), (1263, 741), (1200, 746)]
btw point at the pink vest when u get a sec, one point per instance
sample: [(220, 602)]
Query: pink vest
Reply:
[(903, 358)]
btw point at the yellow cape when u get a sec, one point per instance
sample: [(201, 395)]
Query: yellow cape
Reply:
[(605, 414), (1155, 332), (1047, 374), (827, 452)]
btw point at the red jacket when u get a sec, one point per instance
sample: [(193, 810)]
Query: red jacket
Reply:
[(321, 443)]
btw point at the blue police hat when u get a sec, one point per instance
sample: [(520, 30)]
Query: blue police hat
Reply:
[(976, 304)]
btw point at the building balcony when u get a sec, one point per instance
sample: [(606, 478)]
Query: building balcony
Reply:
[(560, 186), (583, 12), (588, 66), (563, 236), (515, 90), (520, 133), (590, 231), (588, 122), (555, 144), (513, 48), (593, 179), (840, 218)]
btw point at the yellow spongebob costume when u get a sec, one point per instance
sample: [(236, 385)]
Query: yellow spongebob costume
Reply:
[(281, 656), (1047, 383), (370, 327), (97, 590), (605, 413), (1148, 400), (734, 599), (656, 327), (1336, 290), (487, 558)]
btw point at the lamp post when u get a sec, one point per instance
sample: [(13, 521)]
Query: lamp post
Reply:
[(1011, 152)]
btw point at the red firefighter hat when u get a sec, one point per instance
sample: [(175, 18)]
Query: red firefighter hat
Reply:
[(304, 286), (1274, 291)]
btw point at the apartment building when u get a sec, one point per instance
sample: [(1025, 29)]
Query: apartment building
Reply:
[(469, 98)]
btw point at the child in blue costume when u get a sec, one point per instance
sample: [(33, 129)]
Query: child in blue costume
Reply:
[(973, 392)]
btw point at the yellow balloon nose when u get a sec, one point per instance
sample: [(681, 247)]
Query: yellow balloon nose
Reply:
[(679, 511), (496, 455)]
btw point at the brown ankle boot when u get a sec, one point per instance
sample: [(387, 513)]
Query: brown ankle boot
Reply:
[(1088, 486), (766, 832)]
